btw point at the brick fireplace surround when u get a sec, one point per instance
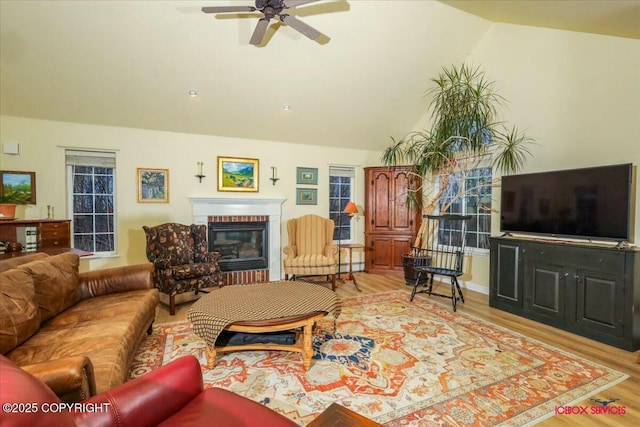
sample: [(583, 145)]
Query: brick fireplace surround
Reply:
[(229, 209)]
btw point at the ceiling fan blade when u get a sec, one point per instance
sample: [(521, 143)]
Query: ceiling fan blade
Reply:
[(294, 3), (301, 27), (258, 33), (222, 9)]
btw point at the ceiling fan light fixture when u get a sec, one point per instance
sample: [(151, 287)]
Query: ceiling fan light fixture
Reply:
[(286, 107), (271, 9)]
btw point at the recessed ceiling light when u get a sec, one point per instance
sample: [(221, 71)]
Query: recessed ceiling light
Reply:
[(193, 93), (286, 107)]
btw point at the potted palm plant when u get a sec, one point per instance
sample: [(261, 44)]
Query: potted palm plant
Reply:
[(464, 131)]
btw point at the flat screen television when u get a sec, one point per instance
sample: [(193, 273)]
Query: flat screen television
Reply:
[(590, 203)]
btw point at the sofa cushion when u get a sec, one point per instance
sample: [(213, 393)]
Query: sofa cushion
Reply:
[(107, 329), (13, 262), (194, 270), (19, 314), (310, 261), (55, 280)]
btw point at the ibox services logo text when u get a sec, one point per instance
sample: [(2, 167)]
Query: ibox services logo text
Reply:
[(604, 407)]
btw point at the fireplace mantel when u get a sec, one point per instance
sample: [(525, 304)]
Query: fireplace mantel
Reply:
[(204, 207)]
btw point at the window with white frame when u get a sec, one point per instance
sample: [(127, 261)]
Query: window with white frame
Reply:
[(341, 192), (469, 193), (91, 196)]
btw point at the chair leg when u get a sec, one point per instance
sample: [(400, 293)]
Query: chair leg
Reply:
[(333, 282), (454, 299), (415, 285), (430, 280), (172, 305), (286, 276), (459, 291), (456, 292)]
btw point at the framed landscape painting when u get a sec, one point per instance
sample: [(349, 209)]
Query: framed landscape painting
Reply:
[(19, 186), (307, 176), (306, 196), (238, 174), (153, 185)]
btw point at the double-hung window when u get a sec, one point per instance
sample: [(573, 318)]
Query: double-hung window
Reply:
[(468, 192), (91, 200), (341, 192)]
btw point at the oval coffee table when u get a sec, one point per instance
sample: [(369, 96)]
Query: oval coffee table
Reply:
[(263, 308)]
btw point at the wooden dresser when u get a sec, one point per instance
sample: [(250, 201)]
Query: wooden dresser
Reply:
[(52, 235)]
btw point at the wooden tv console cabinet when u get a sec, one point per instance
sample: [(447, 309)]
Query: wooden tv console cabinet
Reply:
[(590, 290)]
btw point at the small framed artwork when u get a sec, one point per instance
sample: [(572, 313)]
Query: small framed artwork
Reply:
[(306, 196), (307, 176), (153, 185), (18, 187), (238, 174)]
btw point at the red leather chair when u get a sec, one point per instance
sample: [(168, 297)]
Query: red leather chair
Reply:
[(171, 395)]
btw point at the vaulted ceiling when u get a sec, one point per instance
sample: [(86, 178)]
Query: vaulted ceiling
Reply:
[(133, 63)]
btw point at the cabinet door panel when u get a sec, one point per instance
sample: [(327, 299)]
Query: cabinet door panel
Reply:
[(381, 193), (401, 245), (402, 215), (546, 290), (600, 301), (385, 252), (380, 249), (506, 274)]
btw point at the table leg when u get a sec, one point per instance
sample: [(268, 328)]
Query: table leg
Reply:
[(211, 357), (307, 346), (351, 276)]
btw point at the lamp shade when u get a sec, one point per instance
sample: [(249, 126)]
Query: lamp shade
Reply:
[(351, 209)]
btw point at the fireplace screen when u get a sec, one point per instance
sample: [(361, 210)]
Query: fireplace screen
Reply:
[(242, 245)]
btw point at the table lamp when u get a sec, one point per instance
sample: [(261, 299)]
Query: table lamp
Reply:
[(351, 209)]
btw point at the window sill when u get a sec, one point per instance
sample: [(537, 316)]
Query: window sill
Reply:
[(101, 256), (479, 252)]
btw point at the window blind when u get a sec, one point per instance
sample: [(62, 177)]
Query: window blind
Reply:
[(344, 171), (90, 158)]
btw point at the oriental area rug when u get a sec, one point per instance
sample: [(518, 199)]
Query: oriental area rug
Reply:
[(399, 363)]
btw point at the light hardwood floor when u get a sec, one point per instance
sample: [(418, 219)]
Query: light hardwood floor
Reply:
[(477, 304)]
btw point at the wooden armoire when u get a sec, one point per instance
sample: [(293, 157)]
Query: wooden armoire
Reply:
[(390, 226)]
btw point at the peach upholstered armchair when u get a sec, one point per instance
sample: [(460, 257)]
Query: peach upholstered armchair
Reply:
[(181, 259), (311, 251)]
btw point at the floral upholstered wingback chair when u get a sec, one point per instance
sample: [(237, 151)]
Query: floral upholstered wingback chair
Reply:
[(181, 259), (311, 250)]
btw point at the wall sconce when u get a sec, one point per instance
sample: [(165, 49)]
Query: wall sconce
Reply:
[(199, 175), (274, 175)]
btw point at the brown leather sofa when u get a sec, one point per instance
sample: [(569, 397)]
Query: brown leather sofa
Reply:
[(77, 332), (172, 395)]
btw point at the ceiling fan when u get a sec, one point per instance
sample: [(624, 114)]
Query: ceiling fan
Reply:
[(270, 9)]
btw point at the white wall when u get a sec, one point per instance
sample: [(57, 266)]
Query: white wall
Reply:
[(576, 94), (42, 150)]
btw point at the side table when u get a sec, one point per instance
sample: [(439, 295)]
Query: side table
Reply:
[(351, 247), (339, 416)]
